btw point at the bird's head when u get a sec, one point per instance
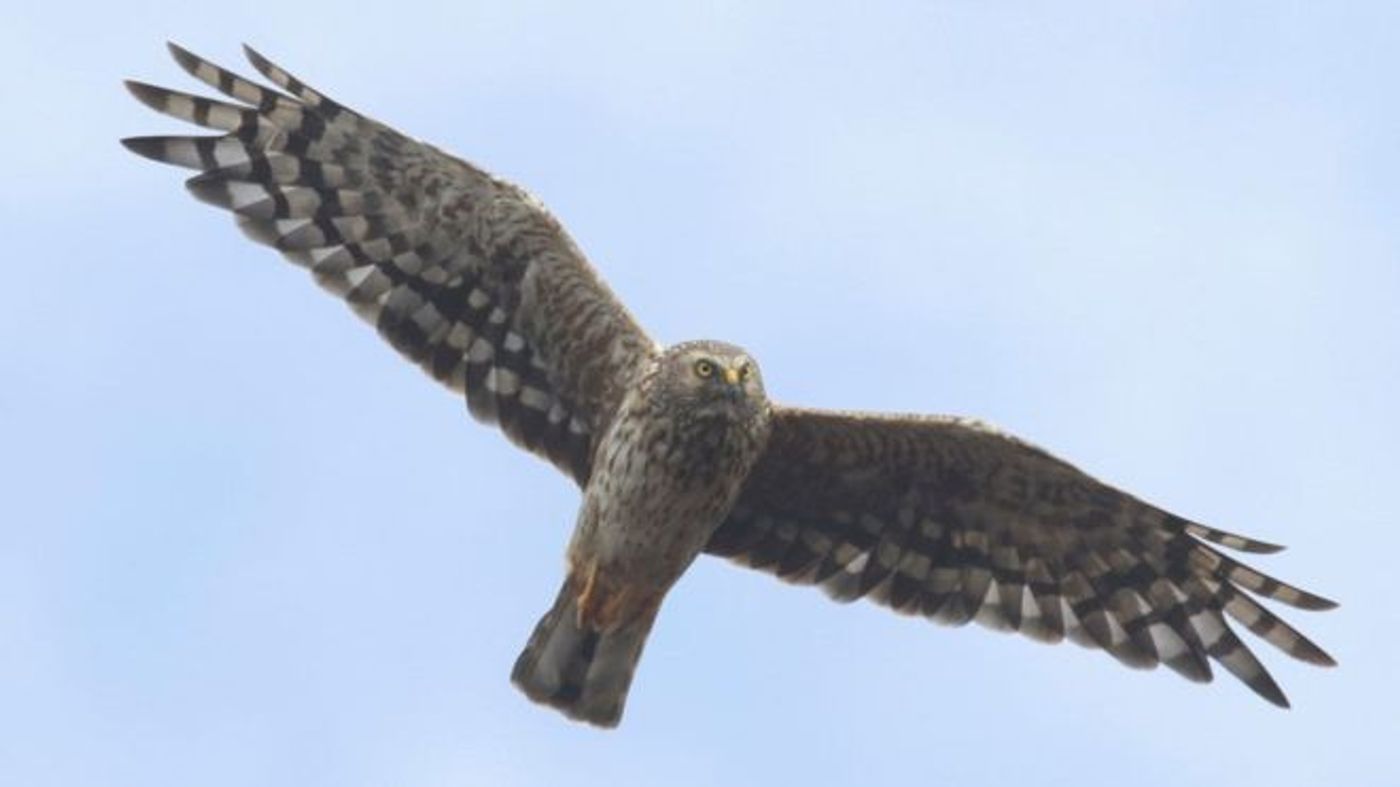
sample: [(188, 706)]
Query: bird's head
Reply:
[(714, 376)]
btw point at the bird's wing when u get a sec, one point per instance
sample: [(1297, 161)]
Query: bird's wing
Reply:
[(463, 273), (956, 521)]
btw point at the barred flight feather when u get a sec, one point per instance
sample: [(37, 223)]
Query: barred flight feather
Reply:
[(966, 537), (445, 260)]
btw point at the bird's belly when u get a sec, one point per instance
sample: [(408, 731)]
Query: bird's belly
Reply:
[(658, 492), (652, 538), (646, 523)]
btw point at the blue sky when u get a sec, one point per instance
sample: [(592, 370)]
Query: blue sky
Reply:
[(246, 544)]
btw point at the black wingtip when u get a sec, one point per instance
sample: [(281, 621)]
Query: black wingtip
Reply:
[(1262, 548), (1314, 603), (255, 57), (210, 190), (187, 59), (152, 148), (1264, 685), (148, 94)]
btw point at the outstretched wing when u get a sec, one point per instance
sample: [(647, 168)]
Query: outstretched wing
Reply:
[(465, 274), (956, 521)]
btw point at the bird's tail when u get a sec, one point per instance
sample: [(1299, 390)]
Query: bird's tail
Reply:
[(579, 665)]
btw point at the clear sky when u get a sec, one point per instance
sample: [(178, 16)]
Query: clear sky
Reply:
[(246, 544)]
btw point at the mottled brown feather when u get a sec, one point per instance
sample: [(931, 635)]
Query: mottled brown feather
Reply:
[(463, 273), (960, 522)]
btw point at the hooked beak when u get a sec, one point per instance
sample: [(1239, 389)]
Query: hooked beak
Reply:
[(731, 375)]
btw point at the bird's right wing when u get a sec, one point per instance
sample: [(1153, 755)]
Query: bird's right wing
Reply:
[(956, 521), (463, 273)]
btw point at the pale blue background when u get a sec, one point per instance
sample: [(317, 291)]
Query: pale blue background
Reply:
[(245, 544)]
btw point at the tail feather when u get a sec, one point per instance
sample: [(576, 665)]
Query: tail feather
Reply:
[(578, 668)]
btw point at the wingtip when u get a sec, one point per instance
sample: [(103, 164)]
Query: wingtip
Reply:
[(182, 55), (1316, 603), (146, 93), (1265, 686), (1264, 548), (210, 190), (255, 57), (152, 148)]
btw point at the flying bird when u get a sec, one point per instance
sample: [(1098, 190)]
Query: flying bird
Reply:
[(677, 449)]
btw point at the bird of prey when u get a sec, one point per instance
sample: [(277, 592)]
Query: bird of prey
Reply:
[(677, 449)]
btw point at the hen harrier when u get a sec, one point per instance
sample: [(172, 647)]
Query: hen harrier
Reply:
[(678, 450)]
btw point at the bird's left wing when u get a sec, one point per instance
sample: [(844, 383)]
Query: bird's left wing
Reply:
[(463, 273), (953, 520)]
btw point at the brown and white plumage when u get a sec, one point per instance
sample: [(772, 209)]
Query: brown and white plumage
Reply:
[(465, 274), (667, 471), (953, 520), (473, 280)]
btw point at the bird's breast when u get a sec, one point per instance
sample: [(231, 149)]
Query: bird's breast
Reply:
[(660, 487)]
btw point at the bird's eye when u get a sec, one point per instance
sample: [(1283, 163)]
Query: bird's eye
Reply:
[(745, 371), (704, 368)]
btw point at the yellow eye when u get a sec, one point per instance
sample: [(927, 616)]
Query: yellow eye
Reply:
[(745, 371), (704, 368)]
